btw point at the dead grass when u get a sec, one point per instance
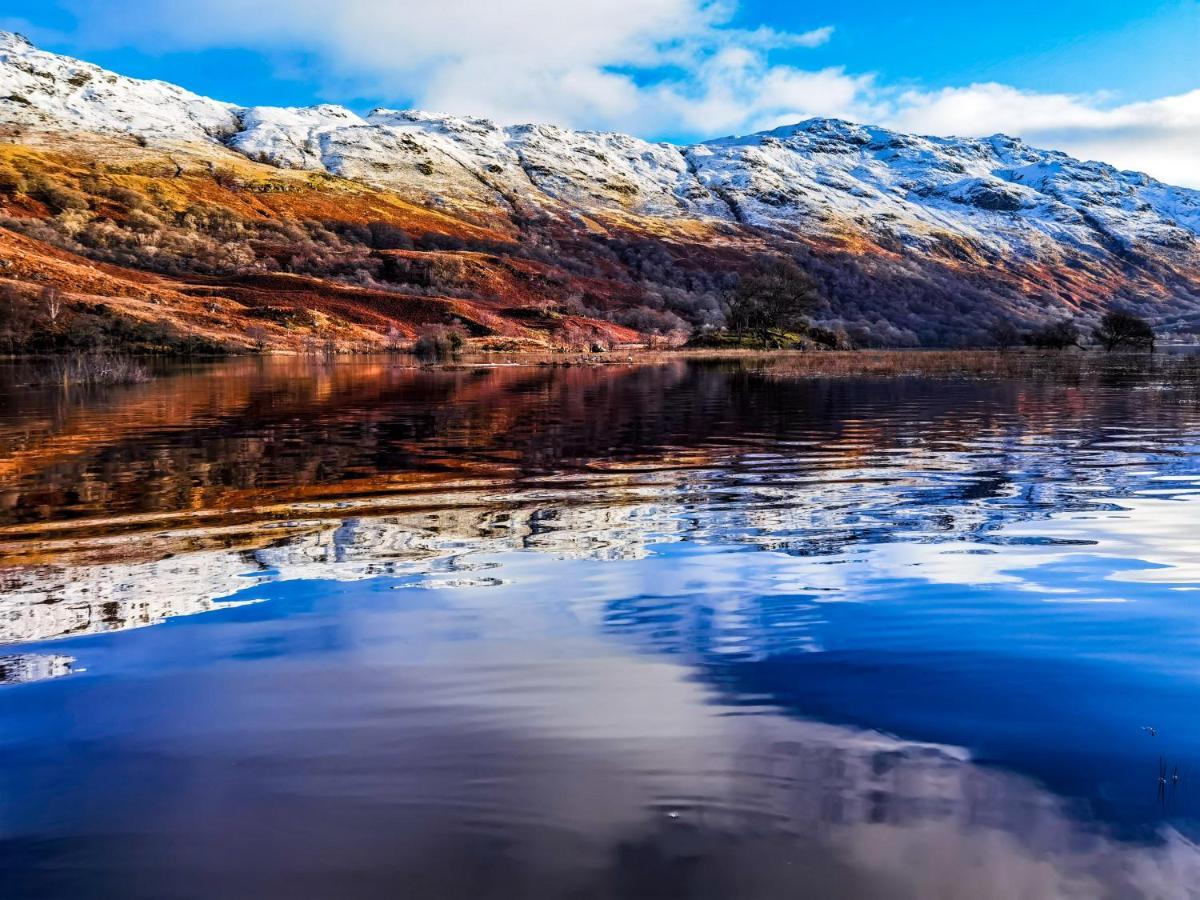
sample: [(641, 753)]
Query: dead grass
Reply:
[(876, 363), (929, 363), (979, 363)]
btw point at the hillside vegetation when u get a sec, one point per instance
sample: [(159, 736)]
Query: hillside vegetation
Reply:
[(135, 214)]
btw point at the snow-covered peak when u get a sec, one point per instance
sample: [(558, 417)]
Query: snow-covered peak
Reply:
[(323, 116), (418, 118), (40, 89), (998, 190), (11, 41), (291, 137)]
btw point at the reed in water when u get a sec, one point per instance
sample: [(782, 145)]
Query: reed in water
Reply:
[(91, 369)]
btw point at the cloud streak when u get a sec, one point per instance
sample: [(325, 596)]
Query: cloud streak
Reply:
[(656, 68)]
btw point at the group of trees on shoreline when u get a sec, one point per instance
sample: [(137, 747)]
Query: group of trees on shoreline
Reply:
[(770, 303), (773, 299), (1118, 329)]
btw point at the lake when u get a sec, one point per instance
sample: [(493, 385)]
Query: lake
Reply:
[(275, 628)]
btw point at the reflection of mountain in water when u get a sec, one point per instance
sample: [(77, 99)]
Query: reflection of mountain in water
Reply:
[(23, 668), (923, 502), (54, 602)]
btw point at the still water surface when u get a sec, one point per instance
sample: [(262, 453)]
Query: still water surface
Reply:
[(273, 629)]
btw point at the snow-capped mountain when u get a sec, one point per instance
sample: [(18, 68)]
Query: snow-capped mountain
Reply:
[(1052, 227), (40, 88)]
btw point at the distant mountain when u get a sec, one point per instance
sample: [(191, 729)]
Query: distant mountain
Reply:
[(319, 224)]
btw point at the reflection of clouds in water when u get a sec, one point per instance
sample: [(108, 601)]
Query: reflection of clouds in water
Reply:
[(1160, 533), (829, 811), (640, 756), (434, 766), (587, 775)]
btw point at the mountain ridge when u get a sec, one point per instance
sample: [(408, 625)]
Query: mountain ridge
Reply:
[(1057, 236)]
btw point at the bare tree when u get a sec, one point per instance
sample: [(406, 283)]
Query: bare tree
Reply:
[(1119, 328), (1006, 335), (773, 298), (395, 339), (51, 300), (258, 337)]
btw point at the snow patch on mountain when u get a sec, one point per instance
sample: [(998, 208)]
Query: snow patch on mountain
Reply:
[(290, 138)]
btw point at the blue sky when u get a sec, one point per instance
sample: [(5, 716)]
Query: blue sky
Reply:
[(1111, 80)]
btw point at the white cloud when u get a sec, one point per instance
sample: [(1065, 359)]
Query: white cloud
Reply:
[(529, 60), (1157, 136), (650, 67)]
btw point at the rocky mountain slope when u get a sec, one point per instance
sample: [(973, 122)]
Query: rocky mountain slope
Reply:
[(543, 230)]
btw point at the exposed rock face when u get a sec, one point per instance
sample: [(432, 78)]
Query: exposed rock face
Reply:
[(1031, 232)]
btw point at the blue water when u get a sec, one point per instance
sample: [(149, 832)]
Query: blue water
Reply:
[(689, 630)]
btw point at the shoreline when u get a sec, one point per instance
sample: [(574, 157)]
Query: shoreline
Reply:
[(779, 361)]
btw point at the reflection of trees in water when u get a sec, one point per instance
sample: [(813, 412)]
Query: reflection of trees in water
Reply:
[(245, 434)]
